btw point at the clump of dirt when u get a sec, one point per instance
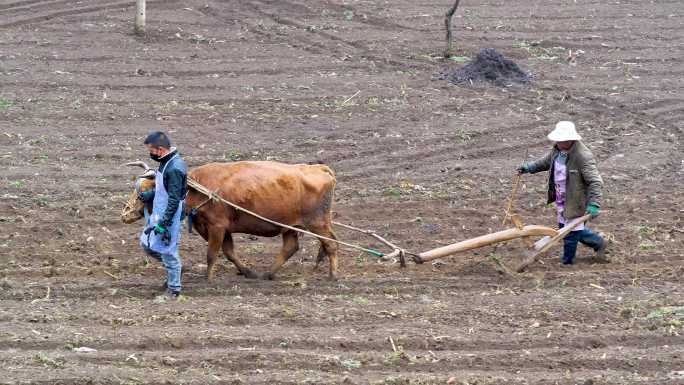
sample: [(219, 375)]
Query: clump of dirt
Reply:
[(488, 66)]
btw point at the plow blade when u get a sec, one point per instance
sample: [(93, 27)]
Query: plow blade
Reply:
[(544, 244)]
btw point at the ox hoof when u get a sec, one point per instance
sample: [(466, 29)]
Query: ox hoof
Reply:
[(250, 274), (268, 276), (332, 277)]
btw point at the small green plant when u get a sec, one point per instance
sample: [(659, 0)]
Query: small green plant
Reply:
[(535, 49), (46, 361), (351, 364), (200, 39), (671, 318), (391, 380), (360, 260), (289, 312), (463, 136), (394, 192), (459, 59), (348, 15), (667, 311), (373, 101), (408, 72), (18, 184), (5, 103), (496, 259), (42, 201), (645, 230), (396, 357), (404, 188), (234, 155)]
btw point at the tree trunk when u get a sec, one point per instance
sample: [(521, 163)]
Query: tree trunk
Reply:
[(140, 17), (447, 24)]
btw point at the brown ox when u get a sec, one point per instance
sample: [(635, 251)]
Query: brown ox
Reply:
[(296, 195)]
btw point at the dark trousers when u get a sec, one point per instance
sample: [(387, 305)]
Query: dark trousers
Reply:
[(585, 237)]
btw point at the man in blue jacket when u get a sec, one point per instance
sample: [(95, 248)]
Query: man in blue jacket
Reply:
[(163, 227)]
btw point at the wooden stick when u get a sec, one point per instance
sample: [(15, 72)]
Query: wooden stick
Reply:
[(47, 297), (368, 232), (110, 274), (484, 240), (514, 192), (140, 17), (398, 251), (351, 97), (394, 347), (447, 23), (545, 246), (511, 200)]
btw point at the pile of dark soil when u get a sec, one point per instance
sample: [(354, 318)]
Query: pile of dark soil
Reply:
[(489, 66)]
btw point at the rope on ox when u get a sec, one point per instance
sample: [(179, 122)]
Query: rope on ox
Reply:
[(213, 195)]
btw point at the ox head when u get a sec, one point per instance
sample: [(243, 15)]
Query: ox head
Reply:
[(133, 210)]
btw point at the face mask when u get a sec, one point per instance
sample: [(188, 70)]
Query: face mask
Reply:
[(154, 157)]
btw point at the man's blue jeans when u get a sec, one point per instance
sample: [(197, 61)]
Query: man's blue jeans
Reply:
[(585, 237), (173, 265)]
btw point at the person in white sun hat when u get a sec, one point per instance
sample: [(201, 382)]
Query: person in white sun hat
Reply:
[(575, 186)]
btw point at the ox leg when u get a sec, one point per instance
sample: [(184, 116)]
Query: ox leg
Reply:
[(328, 249), (320, 258), (215, 240), (290, 246), (229, 252)]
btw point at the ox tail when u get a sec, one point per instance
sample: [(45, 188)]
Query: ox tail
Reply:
[(329, 197)]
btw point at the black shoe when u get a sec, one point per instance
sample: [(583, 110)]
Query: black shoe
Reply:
[(602, 253), (169, 295)]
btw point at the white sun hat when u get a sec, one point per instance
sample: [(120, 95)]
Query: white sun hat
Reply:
[(564, 131)]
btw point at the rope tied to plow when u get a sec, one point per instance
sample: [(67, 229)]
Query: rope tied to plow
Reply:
[(214, 196)]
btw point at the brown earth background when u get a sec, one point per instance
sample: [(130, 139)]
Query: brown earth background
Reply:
[(422, 162)]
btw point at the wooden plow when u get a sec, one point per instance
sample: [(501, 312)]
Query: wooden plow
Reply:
[(549, 237)]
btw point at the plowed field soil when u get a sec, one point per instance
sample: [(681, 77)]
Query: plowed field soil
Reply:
[(422, 162)]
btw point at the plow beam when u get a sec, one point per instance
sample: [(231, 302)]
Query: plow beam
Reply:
[(485, 240)]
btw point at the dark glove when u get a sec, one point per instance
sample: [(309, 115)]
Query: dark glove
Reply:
[(159, 229), (146, 196), (165, 236), (593, 210), (523, 169)]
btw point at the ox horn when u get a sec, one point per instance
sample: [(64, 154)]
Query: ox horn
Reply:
[(139, 163), (148, 171)]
